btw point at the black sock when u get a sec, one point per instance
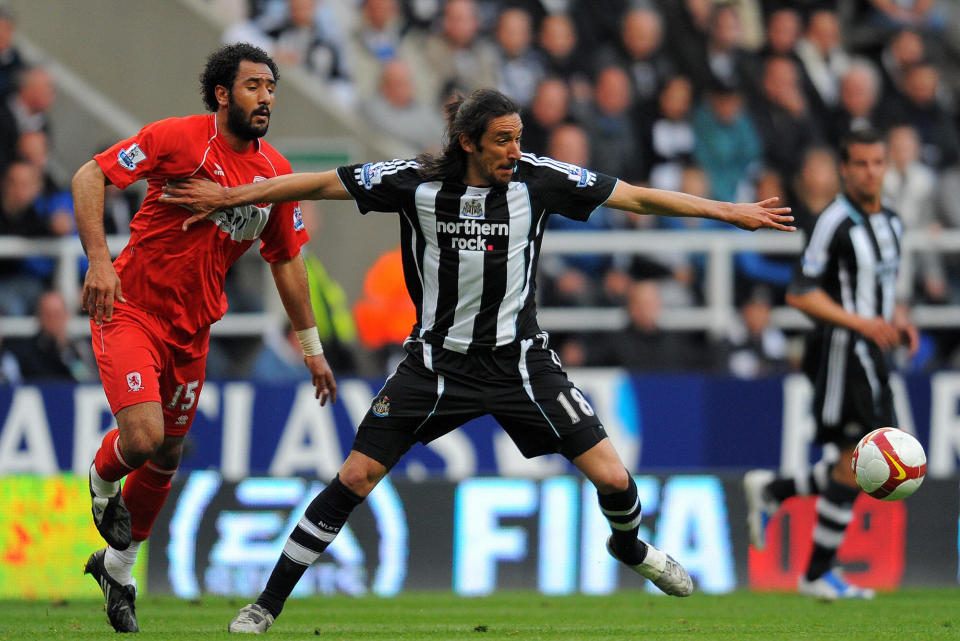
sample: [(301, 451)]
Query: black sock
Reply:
[(834, 513), (812, 482), (316, 529), (622, 510)]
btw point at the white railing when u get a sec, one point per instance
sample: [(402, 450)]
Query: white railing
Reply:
[(715, 315)]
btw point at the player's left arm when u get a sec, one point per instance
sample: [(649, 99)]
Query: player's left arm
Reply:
[(660, 202), (290, 277)]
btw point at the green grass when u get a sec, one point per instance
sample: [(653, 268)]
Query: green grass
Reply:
[(922, 614)]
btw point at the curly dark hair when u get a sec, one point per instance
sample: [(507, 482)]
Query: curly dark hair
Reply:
[(221, 69), (468, 115)]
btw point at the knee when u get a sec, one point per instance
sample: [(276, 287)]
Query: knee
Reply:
[(613, 480), (139, 442), (360, 479)]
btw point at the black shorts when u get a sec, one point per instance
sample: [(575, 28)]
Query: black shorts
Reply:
[(522, 386), (852, 393)]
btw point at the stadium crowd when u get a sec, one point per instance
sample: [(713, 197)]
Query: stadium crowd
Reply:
[(730, 100)]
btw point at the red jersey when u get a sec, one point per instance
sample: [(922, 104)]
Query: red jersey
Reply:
[(178, 274)]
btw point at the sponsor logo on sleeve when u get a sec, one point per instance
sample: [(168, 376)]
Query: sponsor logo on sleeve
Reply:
[(130, 157), (583, 177), (371, 174)]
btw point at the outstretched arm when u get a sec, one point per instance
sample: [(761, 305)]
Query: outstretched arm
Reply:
[(749, 216), (101, 284), (204, 197), (290, 277)]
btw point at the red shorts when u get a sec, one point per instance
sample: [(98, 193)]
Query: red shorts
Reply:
[(142, 358)]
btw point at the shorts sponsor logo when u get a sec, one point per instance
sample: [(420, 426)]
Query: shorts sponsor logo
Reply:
[(381, 406), (130, 157), (134, 382)]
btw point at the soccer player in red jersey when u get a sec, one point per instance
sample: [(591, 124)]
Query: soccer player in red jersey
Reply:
[(151, 308)]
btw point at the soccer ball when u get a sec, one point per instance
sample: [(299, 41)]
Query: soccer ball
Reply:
[(889, 464)]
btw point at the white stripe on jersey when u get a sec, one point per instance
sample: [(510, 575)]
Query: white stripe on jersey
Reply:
[(885, 234), (866, 297), (518, 284), (818, 250), (469, 286), (425, 199), (836, 376)]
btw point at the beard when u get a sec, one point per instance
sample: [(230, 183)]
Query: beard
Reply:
[(241, 123)]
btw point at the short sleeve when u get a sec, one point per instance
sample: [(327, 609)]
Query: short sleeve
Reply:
[(380, 186), (566, 189), (284, 234), (148, 154), (821, 249)]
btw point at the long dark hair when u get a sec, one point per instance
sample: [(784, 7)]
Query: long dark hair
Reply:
[(468, 115)]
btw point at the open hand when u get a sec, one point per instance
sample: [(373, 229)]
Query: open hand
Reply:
[(753, 216), (202, 197)]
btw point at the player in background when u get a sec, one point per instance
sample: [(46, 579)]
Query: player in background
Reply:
[(846, 283), (151, 309), (472, 219)]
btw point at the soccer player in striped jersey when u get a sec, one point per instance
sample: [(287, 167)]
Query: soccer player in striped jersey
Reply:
[(472, 219), (846, 283)]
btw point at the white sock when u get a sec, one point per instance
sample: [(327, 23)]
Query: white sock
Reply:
[(103, 489), (119, 563)]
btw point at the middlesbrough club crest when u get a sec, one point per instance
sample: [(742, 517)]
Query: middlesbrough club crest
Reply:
[(134, 382)]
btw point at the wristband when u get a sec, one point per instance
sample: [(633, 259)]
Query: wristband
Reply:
[(310, 341)]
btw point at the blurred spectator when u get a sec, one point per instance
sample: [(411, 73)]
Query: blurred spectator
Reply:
[(55, 203), (886, 16), (384, 314), (458, 54), (611, 128), (26, 109), (782, 34), (52, 354), (300, 38), (377, 39), (671, 136), (902, 51), (644, 344), (582, 279), (396, 111), (119, 207), (688, 24), (727, 143), (920, 107), (772, 271), (754, 347), (9, 365), (859, 95), (909, 187), (331, 310), (726, 61), (639, 52), (10, 60), (563, 55), (824, 61), (783, 117), (815, 186), (521, 66), (280, 360), (19, 284), (550, 108)]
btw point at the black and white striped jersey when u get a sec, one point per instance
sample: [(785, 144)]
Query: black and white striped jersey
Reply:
[(854, 257), (470, 253)]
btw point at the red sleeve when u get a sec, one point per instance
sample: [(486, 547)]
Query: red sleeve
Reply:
[(162, 149), (284, 234)]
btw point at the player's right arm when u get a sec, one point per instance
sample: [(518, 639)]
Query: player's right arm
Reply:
[(204, 197), (101, 285)]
